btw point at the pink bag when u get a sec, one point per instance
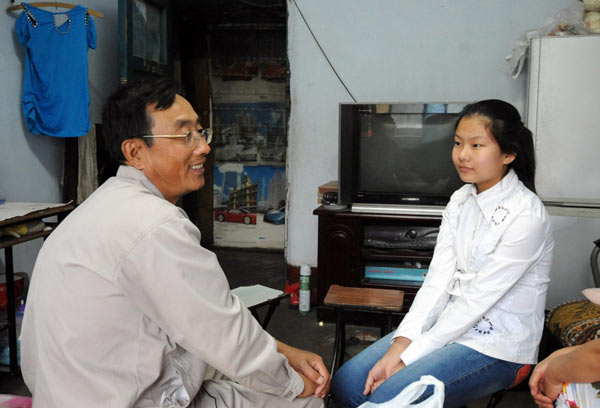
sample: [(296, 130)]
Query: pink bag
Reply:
[(13, 401)]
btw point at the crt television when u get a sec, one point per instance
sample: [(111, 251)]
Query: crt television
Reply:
[(396, 157)]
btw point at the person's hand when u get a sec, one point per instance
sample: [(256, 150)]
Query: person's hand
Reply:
[(310, 366), (387, 366), (309, 387), (538, 388), (545, 389)]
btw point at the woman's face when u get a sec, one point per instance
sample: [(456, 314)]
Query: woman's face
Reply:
[(476, 154)]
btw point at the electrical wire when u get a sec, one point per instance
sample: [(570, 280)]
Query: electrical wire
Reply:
[(260, 5), (322, 51)]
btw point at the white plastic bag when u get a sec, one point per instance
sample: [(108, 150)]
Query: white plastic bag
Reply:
[(412, 393), (578, 395), (568, 21)]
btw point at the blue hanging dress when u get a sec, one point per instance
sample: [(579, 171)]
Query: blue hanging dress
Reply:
[(56, 95)]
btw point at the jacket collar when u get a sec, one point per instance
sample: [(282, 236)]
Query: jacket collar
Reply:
[(136, 176), (489, 199)]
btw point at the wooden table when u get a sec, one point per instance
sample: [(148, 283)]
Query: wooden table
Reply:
[(386, 301), (258, 296), (272, 303), (7, 242)]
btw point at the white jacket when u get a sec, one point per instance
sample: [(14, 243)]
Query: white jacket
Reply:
[(126, 309), (487, 282)]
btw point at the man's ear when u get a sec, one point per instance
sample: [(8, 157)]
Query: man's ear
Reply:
[(133, 150)]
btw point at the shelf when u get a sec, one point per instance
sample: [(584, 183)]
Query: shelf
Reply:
[(6, 241), (391, 283), (342, 256), (407, 218), (38, 215), (396, 255)]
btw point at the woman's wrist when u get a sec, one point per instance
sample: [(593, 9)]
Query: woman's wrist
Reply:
[(398, 346), (403, 341)]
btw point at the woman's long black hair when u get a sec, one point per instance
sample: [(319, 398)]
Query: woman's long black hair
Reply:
[(510, 133)]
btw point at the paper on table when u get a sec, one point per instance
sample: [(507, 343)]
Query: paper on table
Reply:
[(10, 210), (255, 294)]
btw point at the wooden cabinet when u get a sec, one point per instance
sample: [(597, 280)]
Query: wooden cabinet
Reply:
[(342, 257)]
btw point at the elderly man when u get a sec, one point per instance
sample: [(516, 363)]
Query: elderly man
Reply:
[(126, 309)]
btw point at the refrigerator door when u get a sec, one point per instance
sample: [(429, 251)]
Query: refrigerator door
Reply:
[(564, 115)]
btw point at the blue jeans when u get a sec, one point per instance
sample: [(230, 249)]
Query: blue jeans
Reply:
[(467, 375)]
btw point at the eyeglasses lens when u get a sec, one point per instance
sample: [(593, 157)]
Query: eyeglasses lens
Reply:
[(193, 136), (207, 133)]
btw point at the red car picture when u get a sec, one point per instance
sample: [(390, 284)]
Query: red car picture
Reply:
[(235, 215)]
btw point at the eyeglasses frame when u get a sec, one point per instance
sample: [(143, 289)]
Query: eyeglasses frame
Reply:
[(205, 133)]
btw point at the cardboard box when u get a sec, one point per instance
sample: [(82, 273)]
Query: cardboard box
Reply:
[(325, 188)]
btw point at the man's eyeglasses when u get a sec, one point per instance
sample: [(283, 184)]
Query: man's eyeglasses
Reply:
[(192, 138)]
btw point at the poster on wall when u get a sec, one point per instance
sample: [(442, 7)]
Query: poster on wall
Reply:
[(147, 28), (252, 133), (249, 204)]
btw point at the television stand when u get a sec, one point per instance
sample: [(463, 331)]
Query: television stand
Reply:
[(342, 257)]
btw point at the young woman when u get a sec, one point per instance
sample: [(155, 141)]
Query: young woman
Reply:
[(479, 315)]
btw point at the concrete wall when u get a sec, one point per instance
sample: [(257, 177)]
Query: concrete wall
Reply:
[(413, 50), (406, 51), (31, 165)]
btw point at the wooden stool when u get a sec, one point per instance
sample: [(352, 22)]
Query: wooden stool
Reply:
[(386, 301)]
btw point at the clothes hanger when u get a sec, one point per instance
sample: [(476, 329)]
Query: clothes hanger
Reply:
[(54, 4)]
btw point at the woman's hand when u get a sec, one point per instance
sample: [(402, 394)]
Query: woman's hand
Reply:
[(387, 366), (311, 368)]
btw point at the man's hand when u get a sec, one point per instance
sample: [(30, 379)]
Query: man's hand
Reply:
[(309, 387), (387, 366), (310, 367)]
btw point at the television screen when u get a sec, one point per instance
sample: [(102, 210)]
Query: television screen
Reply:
[(397, 153)]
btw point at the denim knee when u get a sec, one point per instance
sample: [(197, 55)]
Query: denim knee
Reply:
[(347, 388)]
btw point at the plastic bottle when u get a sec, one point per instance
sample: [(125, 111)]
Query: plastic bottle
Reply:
[(304, 305), (4, 348), (19, 322)]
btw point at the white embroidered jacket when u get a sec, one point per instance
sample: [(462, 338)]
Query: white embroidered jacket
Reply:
[(487, 282)]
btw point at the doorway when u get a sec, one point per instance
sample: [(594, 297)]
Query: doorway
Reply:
[(231, 56)]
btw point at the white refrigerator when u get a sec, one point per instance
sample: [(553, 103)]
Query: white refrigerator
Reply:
[(563, 112)]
